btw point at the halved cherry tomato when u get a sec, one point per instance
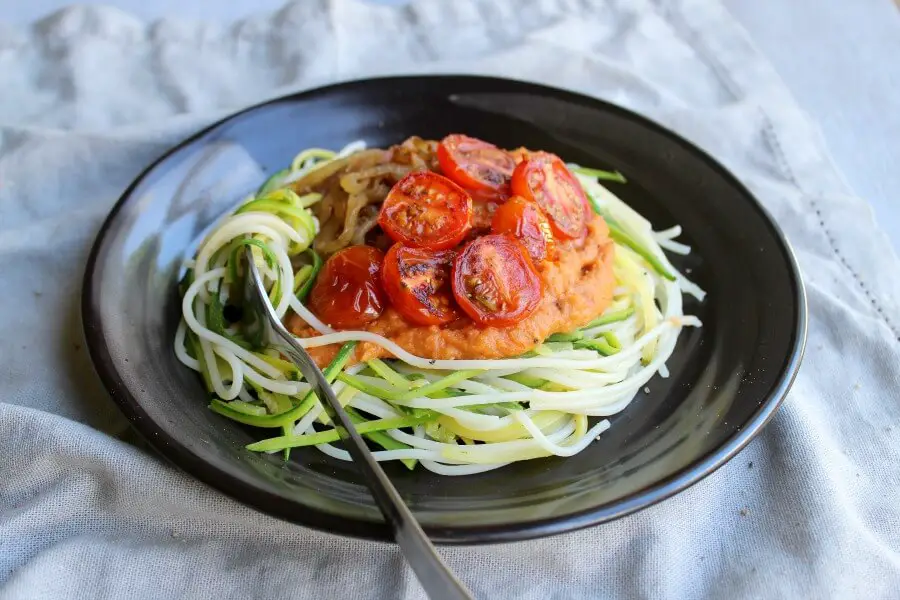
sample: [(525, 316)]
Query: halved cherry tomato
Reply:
[(426, 210), (474, 164), (544, 178), (525, 221), (348, 292), (494, 281), (417, 281)]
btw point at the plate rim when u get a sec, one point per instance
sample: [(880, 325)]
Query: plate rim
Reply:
[(248, 495)]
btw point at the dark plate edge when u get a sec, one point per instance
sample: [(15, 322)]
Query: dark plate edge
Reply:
[(329, 523)]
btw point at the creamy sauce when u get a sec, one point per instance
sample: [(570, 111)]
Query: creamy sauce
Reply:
[(577, 287)]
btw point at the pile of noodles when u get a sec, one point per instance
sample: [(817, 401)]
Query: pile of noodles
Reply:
[(454, 417), (353, 188)]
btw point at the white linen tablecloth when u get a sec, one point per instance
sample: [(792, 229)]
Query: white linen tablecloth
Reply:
[(88, 96)]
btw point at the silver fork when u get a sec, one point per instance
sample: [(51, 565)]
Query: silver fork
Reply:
[(262, 323)]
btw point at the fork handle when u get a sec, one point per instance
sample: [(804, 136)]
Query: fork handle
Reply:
[(436, 578)]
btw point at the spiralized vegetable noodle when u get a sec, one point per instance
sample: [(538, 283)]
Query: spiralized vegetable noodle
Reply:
[(354, 186), (452, 417)]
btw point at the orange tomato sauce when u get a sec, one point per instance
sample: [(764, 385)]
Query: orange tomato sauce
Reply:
[(577, 287)]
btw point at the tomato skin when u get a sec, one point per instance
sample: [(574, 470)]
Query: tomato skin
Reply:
[(417, 281), (348, 292), (474, 164), (525, 221), (544, 178), (494, 281), (426, 210)]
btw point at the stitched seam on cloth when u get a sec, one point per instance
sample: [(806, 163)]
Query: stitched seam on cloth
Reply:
[(774, 142), (865, 290), (676, 18)]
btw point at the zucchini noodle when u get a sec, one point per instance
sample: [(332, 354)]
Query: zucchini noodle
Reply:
[(452, 417)]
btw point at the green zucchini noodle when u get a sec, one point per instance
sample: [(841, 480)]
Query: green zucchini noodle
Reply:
[(454, 417)]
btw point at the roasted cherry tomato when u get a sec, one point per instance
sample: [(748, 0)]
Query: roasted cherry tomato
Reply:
[(348, 292), (475, 164), (525, 221), (545, 179), (494, 281), (426, 210), (417, 281)]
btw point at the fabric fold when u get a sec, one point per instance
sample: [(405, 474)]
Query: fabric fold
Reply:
[(92, 95)]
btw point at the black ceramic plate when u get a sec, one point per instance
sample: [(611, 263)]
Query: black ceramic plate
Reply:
[(727, 378)]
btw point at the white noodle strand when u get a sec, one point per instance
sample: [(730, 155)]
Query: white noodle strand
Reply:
[(556, 386)]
